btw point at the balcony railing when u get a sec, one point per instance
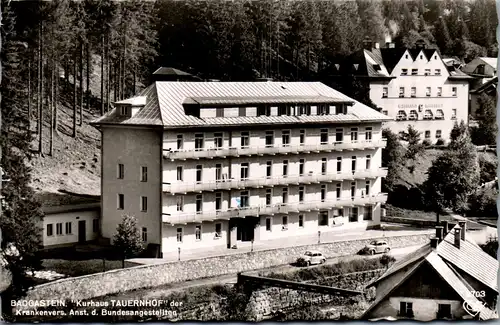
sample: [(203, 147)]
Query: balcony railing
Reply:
[(280, 208), (228, 184), (265, 150)]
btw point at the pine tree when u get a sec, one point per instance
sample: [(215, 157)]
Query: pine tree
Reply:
[(127, 240), (393, 159), (442, 36)]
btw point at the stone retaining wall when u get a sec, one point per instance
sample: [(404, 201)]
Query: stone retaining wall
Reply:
[(145, 276)]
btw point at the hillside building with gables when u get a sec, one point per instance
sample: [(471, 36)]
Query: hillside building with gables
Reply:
[(223, 164)]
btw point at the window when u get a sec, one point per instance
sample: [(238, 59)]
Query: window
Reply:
[(385, 92), (219, 112), (179, 235), (301, 167), (385, 112), (269, 196), (404, 72), (406, 56), (198, 141), (353, 189), (302, 137), (242, 111), (323, 218), (144, 174), (323, 110), (406, 309), (199, 173), (284, 195), (338, 190), (269, 168), (437, 72), (368, 162), (439, 114), (454, 91), (121, 171), (427, 134), (218, 230), (353, 216), (438, 134), (245, 139), (339, 109), (339, 135), (368, 134), (285, 168), (144, 203), (444, 311), (353, 164), (124, 110), (413, 92), (323, 193), (368, 215), (121, 201), (50, 230), (428, 92), (414, 72), (324, 136), (323, 166), (199, 202), (95, 225), (263, 110), (269, 138), (68, 228), (180, 142), (285, 137), (197, 232), (428, 115), (218, 172), (301, 193), (367, 187), (439, 91), (144, 234), (218, 140), (427, 72), (339, 164), (301, 221), (180, 203), (413, 115), (454, 114), (285, 223), (401, 92), (284, 110), (244, 168), (244, 199), (179, 173), (59, 228), (218, 201), (354, 134), (302, 110), (268, 224)]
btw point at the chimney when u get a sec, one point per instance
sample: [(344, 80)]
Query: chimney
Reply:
[(434, 242), (439, 233), (463, 226), (391, 45), (446, 227), (458, 230)]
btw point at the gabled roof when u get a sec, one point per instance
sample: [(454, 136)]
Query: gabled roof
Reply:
[(167, 71), (447, 260), (490, 61), (165, 104), (493, 83)]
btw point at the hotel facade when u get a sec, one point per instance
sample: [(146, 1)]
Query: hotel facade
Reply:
[(412, 87), (206, 164)]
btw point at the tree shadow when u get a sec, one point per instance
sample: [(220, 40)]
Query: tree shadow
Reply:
[(406, 197)]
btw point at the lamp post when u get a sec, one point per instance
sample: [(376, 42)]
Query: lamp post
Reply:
[(319, 236), (252, 246), (179, 253)]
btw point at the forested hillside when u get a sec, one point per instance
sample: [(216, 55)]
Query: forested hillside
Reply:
[(71, 59)]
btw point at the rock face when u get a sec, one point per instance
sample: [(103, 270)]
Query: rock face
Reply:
[(5, 278)]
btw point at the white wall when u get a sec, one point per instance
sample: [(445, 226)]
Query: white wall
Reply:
[(426, 309), (189, 241), (74, 218)]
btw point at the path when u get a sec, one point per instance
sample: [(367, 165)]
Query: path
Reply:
[(163, 291)]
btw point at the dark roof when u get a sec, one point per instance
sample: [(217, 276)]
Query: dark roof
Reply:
[(167, 71), (391, 57), (493, 83), (66, 201)]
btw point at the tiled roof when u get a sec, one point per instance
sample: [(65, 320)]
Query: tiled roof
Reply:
[(64, 202), (391, 57), (492, 83), (165, 103)]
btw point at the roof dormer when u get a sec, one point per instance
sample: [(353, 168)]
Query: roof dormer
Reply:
[(130, 107)]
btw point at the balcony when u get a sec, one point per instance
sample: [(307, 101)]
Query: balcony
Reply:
[(211, 153), (229, 184), (280, 208)]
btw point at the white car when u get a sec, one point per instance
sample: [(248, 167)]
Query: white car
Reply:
[(377, 246), (313, 257)]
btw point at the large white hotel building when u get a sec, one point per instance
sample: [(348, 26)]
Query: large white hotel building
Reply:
[(413, 86), (205, 164)]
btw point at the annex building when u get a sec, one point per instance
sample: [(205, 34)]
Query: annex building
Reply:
[(412, 86), (205, 164)]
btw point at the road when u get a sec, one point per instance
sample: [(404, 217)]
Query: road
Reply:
[(162, 291)]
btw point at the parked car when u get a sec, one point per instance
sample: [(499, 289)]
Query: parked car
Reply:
[(310, 258), (377, 246)]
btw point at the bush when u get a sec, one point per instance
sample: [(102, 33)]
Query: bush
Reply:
[(440, 142), (386, 260), (301, 262), (427, 143)]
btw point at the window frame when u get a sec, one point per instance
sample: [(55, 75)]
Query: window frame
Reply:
[(70, 224), (121, 201), (144, 204), (199, 142), (197, 232), (50, 230), (144, 174), (121, 171), (144, 234), (180, 234)]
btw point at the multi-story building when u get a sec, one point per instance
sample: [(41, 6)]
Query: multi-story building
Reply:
[(412, 87), (204, 164)]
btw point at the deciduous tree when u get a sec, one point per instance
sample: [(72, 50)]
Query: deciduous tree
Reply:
[(392, 158)]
